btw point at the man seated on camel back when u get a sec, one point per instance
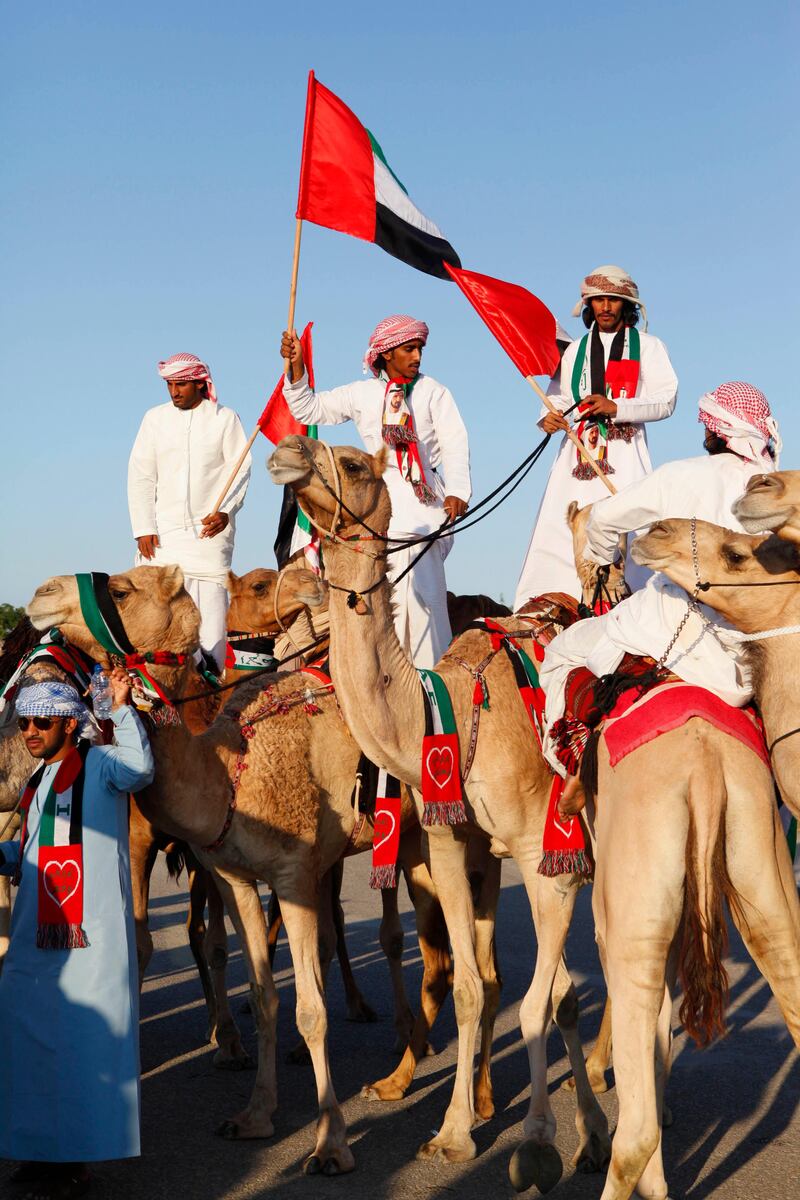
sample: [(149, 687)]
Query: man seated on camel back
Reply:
[(741, 440)]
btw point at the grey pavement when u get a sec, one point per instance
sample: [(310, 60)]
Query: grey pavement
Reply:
[(736, 1130)]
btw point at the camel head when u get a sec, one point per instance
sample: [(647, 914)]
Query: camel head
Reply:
[(155, 608), (304, 463), (725, 557), (578, 519), (253, 607), (771, 502)]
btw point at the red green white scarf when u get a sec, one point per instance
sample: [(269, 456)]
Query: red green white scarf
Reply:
[(385, 832), (616, 379), (60, 873), (398, 432), (53, 646), (442, 797)]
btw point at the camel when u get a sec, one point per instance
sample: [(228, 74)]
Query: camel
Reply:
[(771, 502), (704, 832), (506, 793), (263, 793)]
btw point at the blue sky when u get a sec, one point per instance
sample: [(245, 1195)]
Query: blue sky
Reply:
[(150, 178)]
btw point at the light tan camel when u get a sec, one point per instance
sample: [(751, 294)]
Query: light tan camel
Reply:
[(506, 794), (294, 762), (771, 502), (702, 832)]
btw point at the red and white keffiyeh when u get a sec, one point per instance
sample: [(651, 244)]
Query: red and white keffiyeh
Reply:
[(182, 367), (740, 414), (392, 332)]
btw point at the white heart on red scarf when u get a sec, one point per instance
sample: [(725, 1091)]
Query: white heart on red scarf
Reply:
[(381, 818), (61, 885), (440, 763)]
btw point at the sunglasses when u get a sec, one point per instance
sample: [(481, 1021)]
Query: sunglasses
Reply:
[(38, 722)]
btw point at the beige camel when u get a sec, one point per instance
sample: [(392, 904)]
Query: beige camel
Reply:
[(289, 820), (506, 793), (771, 502), (703, 832)]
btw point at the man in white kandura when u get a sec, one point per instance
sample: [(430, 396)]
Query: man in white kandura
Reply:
[(183, 456), (417, 418), (741, 440), (622, 379)]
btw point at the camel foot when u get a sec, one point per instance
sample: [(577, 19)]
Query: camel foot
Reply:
[(666, 1117), (594, 1155), (450, 1151), (334, 1165), (535, 1164), (300, 1056), (597, 1081), (484, 1105), (384, 1089), (243, 1127), (359, 1011)]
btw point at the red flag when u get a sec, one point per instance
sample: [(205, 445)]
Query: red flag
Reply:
[(524, 327), (276, 421)]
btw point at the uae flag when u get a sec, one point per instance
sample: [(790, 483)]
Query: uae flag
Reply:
[(347, 184)]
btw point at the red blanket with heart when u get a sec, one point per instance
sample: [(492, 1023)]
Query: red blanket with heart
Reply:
[(634, 722)]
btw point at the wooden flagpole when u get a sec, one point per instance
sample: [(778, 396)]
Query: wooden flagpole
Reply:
[(298, 230), (572, 436)]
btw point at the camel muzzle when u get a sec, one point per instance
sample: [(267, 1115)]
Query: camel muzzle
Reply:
[(288, 463)]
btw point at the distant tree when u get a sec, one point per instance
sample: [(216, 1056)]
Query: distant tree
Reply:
[(9, 618)]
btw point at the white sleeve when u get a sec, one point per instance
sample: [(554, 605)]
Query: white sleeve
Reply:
[(451, 434), (128, 764), (318, 408), (559, 394), (142, 482), (233, 443), (659, 387), (639, 504)]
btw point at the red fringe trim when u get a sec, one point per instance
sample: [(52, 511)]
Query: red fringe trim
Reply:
[(61, 937), (450, 813), (566, 862), (383, 877)]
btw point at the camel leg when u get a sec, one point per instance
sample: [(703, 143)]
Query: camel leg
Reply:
[(244, 906), (486, 955), (230, 1054), (331, 1155), (143, 853), (357, 1007), (599, 1058), (274, 925), (392, 940), (434, 945), (536, 1160), (448, 870), (768, 915)]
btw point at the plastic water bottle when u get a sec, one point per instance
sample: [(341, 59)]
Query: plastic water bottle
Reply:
[(100, 690)]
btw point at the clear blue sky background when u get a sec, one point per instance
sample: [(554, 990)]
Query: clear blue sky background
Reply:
[(150, 159)]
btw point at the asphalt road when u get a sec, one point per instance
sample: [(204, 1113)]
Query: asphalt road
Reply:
[(736, 1106)]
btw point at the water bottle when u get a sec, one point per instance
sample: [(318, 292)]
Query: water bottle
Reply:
[(100, 690)]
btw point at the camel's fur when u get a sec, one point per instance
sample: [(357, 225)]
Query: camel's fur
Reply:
[(506, 795)]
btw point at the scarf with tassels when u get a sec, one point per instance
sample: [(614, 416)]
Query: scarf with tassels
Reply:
[(442, 797), (60, 897), (385, 832), (616, 379), (398, 433)]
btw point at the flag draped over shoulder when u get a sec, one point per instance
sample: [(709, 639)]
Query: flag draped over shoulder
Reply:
[(347, 184), (522, 324), (276, 422)]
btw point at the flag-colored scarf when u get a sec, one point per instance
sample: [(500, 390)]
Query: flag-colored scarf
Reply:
[(617, 379), (55, 648), (398, 433), (442, 798), (386, 832), (60, 899)]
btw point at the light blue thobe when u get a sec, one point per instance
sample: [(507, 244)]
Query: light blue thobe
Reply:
[(69, 1071)]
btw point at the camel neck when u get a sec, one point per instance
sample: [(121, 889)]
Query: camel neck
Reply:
[(377, 685)]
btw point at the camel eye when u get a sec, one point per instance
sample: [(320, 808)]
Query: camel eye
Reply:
[(259, 588), (352, 468), (733, 557)]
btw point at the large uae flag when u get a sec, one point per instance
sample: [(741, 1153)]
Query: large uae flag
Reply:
[(347, 184)]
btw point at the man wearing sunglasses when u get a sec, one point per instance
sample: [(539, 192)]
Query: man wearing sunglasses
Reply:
[(69, 988)]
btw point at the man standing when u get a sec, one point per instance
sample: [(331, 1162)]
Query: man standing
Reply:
[(621, 379), (69, 991), (183, 455), (417, 419), (741, 440)]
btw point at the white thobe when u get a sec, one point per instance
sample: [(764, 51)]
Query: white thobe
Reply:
[(179, 464), (549, 563), (421, 616), (705, 654)]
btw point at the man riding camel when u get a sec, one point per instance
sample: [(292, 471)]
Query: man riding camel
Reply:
[(741, 440), (427, 471), (622, 379)]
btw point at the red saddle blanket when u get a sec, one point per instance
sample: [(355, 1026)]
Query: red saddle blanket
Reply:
[(635, 721)]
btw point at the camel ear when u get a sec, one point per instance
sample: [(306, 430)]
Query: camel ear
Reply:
[(572, 512), (233, 579), (380, 461), (171, 580)]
